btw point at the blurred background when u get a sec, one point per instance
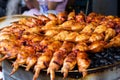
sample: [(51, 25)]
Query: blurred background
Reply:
[(106, 7)]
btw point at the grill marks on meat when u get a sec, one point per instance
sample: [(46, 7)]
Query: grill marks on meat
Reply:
[(58, 41), (58, 58)]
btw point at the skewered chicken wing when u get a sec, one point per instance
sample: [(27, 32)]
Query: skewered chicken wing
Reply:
[(83, 37), (67, 25), (71, 36), (43, 18), (71, 16), (51, 33), (81, 46), (58, 58), (96, 37), (114, 42), (9, 49), (100, 29), (78, 26), (90, 17), (22, 56), (62, 17), (52, 17), (69, 63), (61, 36), (89, 28), (31, 60), (44, 59), (80, 17), (50, 25), (43, 44), (97, 46), (32, 21), (109, 33), (83, 62)]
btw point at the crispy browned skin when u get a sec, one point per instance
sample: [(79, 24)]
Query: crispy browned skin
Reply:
[(100, 29), (43, 18), (61, 36), (58, 58), (50, 25), (97, 46), (114, 42), (72, 25), (83, 62), (109, 34), (44, 59), (83, 37), (69, 63), (22, 56), (89, 28), (35, 41), (96, 37), (9, 49), (80, 17), (81, 46), (31, 60), (44, 43), (91, 17), (31, 22), (67, 25), (52, 17), (62, 17), (71, 36), (71, 16)]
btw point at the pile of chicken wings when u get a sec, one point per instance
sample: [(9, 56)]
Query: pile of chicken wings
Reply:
[(58, 42)]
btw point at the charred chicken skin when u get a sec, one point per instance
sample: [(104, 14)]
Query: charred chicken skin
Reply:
[(58, 41), (44, 60), (83, 62), (58, 58)]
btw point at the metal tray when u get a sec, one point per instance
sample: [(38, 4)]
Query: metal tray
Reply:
[(109, 72)]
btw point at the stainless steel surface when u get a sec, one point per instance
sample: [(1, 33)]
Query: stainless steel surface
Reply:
[(106, 73)]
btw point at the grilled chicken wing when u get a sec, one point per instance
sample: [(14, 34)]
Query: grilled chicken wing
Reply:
[(44, 59), (50, 25), (89, 28), (52, 17), (51, 33), (10, 52), (43, 18), (69, 63), (81, 46), (22, 56), (100, 29), (90, 17), (44, 43), (71, 36), (83, 37), (71, 16), (58, 58), (83, 62), (31, 22), (96, 37), (109, 33), (62, 17), (97, 46), (78, 26), (67, 25), (61, 36), (114, 42), (31, 60), (80, 17)]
